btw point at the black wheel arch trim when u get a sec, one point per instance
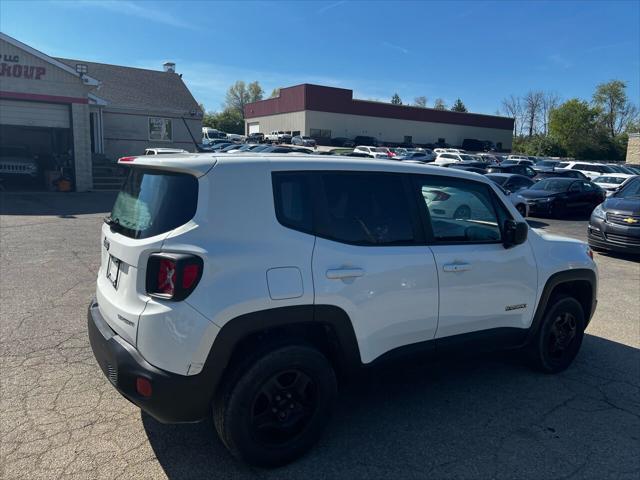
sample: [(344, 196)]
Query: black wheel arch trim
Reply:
[(557, 279), (243, 326)]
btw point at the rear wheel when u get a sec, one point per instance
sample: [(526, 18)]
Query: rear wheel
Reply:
[(273, 410), (462, 212), (559, 337)]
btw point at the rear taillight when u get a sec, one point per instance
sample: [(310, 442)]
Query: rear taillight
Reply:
[(440, 196), (126, 159), (173, 276)]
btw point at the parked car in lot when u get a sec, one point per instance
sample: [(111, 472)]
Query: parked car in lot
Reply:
[(612, 181), (489, 158), (540, 175), (591, 170), (617, 168), (374, 152), (343, 142), (278, 136), (476, 167), (16, 160), (164, 151), (546, 165), (255, 138), (416, 156), (438, 151), (518, 161), (615, 224), (303, 141), (447, 158), (525, 170), (510, 181), (197, 314), (562, 196)]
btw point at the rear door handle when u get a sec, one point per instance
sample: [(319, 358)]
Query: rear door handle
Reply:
[(338, 273), (456, 267)]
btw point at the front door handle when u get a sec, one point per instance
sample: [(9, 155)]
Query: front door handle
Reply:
[(456, 267), (338, 273)]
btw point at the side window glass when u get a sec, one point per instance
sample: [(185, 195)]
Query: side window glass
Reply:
[(367, 209), (575, 187), (459, 210), (587, 187), (292, 197)]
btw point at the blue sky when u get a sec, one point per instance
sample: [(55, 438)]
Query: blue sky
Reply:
[(478, 51)]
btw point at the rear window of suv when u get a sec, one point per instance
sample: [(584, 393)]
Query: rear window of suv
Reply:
[(152, 202)]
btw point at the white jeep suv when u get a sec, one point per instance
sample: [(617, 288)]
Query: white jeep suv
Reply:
[(243, 286)]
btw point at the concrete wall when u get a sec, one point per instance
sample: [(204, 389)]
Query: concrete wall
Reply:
[(392, 130), (633, 149), (384, 129), (127, 133), (284, 121)]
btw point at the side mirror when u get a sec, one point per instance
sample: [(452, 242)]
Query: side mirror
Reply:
[(515, 233)]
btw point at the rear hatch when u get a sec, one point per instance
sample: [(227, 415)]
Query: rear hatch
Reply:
[(151, 204)]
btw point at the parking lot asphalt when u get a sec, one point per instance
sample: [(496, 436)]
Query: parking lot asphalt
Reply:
[(470, 418)]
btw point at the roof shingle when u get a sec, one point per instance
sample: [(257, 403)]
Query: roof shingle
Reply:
[(138, 88)]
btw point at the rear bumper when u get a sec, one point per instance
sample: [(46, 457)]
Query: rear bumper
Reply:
[(174, 398)]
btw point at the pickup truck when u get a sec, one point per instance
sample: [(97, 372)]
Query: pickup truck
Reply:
[(278, 136)]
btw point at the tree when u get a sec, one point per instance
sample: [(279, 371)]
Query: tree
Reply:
[(616, 112), (395, 100), (439, 104), (574, 127), (420, 102), (513, 107), (532, 108), (239, 94), (275, 93), (229, 120), (550, 100), (458, 106)]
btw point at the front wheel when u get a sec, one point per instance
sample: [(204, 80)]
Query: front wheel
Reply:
[(559, 337), (276, 408)]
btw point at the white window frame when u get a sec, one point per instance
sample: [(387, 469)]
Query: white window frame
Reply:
[(170, 137)]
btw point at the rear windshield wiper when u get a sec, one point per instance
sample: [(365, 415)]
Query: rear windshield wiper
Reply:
[(112, 222)]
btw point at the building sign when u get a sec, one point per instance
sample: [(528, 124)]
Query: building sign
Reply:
[(11, 67), (160, 129)]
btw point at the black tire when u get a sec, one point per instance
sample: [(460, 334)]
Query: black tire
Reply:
[(274, 409), (462, 212), (559, 336)]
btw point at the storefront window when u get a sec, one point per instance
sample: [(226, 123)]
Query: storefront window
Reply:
[(160, 129)]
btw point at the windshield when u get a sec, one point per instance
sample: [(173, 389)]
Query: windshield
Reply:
[(631, 190), (467, 158), (552, 185), (497, 179), (381, 149), (616, 180), (152, 202)]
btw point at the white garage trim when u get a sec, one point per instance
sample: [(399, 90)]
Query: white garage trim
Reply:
[(34, 114)]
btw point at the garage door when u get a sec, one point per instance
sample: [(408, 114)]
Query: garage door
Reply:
[(254, 128), (34, 114)]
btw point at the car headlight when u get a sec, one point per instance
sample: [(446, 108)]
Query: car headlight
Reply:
[(598, 212)]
